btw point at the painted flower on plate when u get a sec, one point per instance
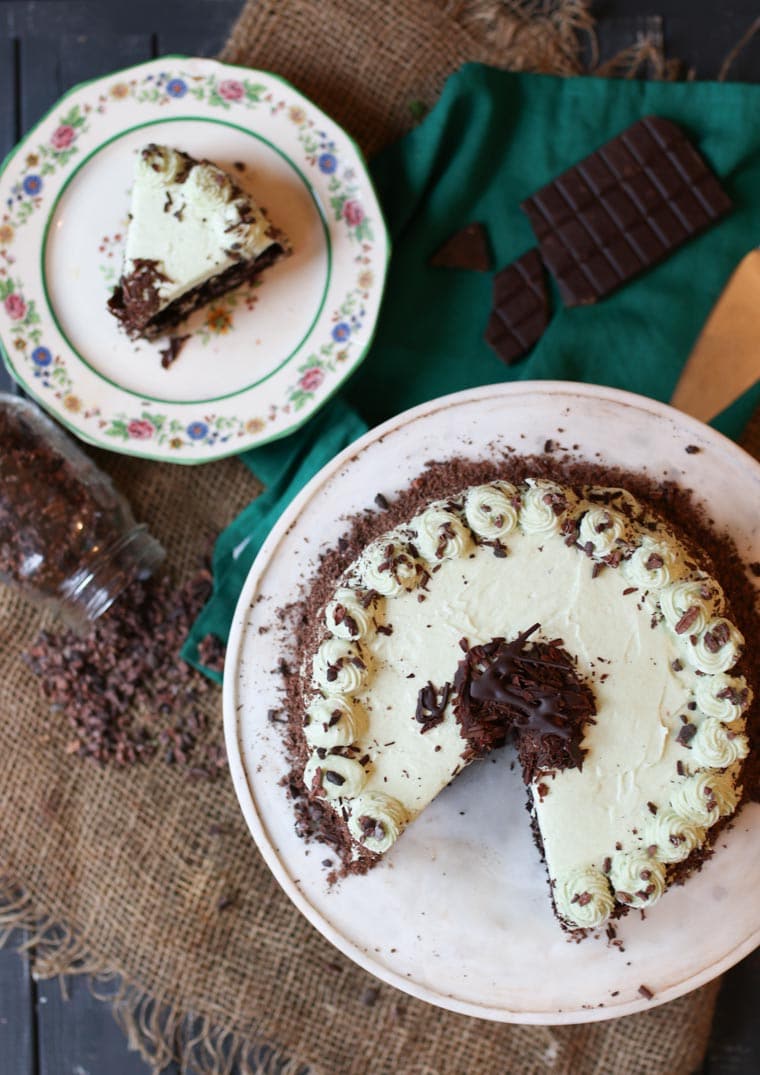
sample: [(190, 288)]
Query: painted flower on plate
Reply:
[(197, 430), (62, 136), (72, 403), (15, 307), (120, 90), (175, 87), (140, 429), (6, 234), (353, 214), (312, 379), (231, 89), (219, 320), (32, 184), (41, 356), (341, 332), (327, 163), (254, 425)]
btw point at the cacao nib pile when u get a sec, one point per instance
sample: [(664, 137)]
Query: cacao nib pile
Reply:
[(123, 689)]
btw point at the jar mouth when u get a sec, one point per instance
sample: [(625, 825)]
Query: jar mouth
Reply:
[(91, 590)]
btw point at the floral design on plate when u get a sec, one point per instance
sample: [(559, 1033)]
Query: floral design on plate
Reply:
[(256, 364)]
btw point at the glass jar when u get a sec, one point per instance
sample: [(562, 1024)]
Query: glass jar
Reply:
[(68, 539)]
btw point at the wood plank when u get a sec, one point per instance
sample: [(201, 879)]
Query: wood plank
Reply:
[(80, 1036), (18, 1047)]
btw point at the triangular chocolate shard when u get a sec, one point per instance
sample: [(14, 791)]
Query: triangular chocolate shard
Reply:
[(467, 248)]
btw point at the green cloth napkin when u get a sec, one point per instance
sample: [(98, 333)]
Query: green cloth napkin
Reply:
[(493, 138)]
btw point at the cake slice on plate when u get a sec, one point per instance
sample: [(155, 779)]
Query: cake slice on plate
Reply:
[(193, 235)]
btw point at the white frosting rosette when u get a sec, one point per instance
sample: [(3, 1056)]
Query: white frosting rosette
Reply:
[(685, 607), (604, 528), (333, 722), (376, 821), (716, 746), (671, 836), (337, 777), (441, 534), (492, 511), (544, 507), (651, 566), (347, 615), (722, 696), (638, 879), (705, 797), (583, 897), (718, 647), (339, 667), (388, 568)]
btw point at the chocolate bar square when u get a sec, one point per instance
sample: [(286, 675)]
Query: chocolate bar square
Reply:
[(520, 309), (623, 209)]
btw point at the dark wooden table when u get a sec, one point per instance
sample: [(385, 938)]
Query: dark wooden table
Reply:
[(47, 46)]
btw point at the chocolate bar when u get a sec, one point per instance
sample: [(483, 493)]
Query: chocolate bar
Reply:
[(623, 209), (520, 308)]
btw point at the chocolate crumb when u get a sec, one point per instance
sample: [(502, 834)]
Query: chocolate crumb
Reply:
[(646, 992)]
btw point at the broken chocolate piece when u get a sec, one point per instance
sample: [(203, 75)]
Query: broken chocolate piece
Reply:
[(467, 248), (520, 311), (624, 209)]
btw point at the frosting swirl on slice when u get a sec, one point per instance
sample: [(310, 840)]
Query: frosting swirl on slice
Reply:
[(686, 606), (388, 568), (638, 880), (651, 565), (376, 821), (602, 528), (583, 897)]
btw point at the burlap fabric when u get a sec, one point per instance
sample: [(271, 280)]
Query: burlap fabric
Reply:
[(145, 875)]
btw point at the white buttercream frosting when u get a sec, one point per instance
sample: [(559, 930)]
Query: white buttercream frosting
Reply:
[(349, 614), (583, 897), (651, 565), (440, 534), (722, 696), (682, 597), (637, 878), (671, 836), (544, 506), (338, 777), (334, 722), (191, 220), (705, 797), (376, 821), (715, 746), (492, 511), (339, 667), (388, 567), (603, 528), (718, 647)]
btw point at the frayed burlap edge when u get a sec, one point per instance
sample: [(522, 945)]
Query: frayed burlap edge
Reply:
[(157, 1029)]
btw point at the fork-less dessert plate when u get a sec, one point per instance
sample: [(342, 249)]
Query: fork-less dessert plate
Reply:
[(458, 913), (257, 362)]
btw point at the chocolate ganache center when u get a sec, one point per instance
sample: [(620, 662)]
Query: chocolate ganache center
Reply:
[(527, 690)]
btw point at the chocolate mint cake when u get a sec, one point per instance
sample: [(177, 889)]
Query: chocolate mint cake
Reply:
[(193, 235), (568, 618)]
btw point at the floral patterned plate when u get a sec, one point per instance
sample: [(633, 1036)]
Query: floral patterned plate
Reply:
[(259, 361)]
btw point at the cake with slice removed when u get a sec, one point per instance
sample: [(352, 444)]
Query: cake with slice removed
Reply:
[(193, 235), (571, 619)]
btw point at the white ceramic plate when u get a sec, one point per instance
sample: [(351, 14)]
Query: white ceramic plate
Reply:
[(259, 361), (458, 913)]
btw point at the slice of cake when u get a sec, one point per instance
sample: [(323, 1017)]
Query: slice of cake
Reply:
[(569, 619), (193, 235)]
